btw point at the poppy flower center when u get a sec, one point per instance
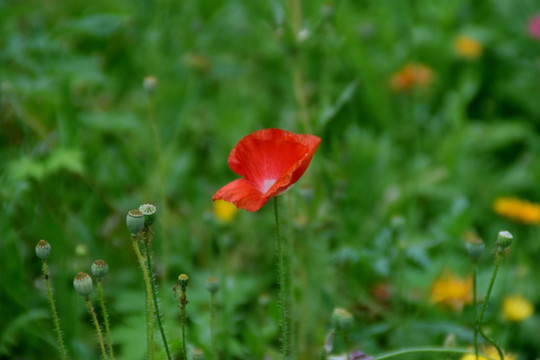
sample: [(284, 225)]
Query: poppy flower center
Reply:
[(267, 184)]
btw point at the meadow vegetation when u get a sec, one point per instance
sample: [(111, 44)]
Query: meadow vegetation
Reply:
[(429, 120)]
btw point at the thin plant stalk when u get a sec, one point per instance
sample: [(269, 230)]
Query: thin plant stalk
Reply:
[(56, 321), (98, 329), (498, 259), (212, 324), (155, 299), (105, 318), (182, 282), (425, 350), (149, 305), (282, 286), (475, 308)]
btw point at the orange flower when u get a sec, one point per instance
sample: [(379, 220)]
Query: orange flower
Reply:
[(519, 210), (411, 76), (468, 47), (452, 291)]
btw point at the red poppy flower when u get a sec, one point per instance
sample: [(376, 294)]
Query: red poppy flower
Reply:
[(270, 162)]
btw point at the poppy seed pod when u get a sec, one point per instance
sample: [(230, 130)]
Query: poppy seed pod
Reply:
[(342, 319), (43, 249), (149, 212), (150, 83), (83, 284), (504, 240), (475, 247), (135, 221), (99, 269), (212, 285)]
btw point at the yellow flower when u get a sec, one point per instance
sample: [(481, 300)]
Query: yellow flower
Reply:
[(467, 47), (411, 76), (517, 308), (490, 351), (516, 209), (452, 291), (224, 210)]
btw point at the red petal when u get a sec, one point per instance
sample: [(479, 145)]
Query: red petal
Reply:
[(243, 194), (273, 155)]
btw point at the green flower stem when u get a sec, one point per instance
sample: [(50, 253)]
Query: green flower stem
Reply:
[(282, 287), (98, 329), (56, 321), (155, 299), (475, 308), (426, 350), (149, 305), (498, 258), (183, 301), (212, 324), (105, 318)]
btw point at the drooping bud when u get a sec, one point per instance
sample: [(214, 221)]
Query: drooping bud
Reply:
[(212, 285), (83, 284), (149, 212), (99, 269), (342, 319), (135, 221), (43, 249), (504, 240)]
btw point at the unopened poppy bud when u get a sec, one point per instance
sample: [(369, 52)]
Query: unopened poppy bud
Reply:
[(150, 84), (149, 212), (43, 249), (83, 284), (135, 221), (183, 280), (342, 319), (475, 246), (504, 240), (99, 269), (212, 285)]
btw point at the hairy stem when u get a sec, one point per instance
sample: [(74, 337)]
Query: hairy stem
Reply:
[(105, 318), (155, 299), (282, 287), (98, 329), (56, 321), (149, 305)]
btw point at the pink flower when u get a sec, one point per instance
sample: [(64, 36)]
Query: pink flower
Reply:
[(534, 27)]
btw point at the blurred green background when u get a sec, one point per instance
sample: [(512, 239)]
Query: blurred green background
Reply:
[(400, 176)]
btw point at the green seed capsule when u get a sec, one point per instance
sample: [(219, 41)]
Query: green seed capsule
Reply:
[(83, 284), (43, 249), (99, 268), (135, 222)]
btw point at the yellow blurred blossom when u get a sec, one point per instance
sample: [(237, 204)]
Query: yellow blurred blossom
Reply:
[(410, 76), (224, 210), (452, 291), (468, 47), (516, 209), (490, 351), (517, 308)]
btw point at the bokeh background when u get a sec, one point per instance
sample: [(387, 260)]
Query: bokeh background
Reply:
[(429, 115)]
